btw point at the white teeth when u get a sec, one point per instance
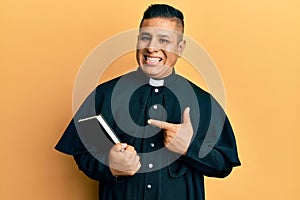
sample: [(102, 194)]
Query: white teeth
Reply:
[(153, 59)]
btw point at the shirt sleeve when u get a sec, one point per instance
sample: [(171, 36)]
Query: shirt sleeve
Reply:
[(88, 150), (213, 150)]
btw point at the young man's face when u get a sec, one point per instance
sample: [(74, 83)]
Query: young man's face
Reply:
[(159, 46)]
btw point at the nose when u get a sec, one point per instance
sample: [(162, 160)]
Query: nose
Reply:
[(152, 46)]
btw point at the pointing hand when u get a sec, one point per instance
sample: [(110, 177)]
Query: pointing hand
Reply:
[(177, 136)]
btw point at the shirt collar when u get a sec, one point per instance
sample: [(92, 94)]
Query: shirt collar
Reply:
[(158, 82)]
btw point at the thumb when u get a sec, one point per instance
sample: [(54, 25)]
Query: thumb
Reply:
[(186, 115)]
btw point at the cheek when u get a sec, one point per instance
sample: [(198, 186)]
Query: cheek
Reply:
[(141, 45), (171, 57), (171, 48), (138, 57), (139, 54)]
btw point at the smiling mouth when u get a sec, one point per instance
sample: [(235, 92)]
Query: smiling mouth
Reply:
[(152, 60)]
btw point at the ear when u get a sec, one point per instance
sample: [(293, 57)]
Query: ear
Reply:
[(181, 46)]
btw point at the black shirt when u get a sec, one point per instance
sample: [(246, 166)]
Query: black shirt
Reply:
[(126, 103)]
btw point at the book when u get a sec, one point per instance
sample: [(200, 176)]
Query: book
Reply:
[(90, 122)]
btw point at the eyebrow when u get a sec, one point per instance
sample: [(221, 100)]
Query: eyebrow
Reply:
[(159, 35), (145, 33), (162, 35)]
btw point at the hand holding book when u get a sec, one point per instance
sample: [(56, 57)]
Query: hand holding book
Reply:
[(123, 159)]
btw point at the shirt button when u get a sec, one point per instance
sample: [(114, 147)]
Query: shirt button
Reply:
[(150, 165), (152, 144), (156, 90), (155, 107), (149, 186)]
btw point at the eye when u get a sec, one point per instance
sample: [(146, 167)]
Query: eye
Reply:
[(145, 38), (163, 41)]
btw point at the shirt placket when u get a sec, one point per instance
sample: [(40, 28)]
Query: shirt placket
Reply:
[(155, 111)]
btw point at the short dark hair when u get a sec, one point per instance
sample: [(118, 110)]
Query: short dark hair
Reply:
[(164, 11)]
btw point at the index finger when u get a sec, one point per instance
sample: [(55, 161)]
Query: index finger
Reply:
[(119, 147), (159, 124)]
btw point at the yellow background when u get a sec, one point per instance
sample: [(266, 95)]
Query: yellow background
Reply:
[(255, 45)]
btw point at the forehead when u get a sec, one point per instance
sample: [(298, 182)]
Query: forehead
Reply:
[(160, 26)]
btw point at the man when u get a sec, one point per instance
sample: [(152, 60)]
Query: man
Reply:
[(172, 132)]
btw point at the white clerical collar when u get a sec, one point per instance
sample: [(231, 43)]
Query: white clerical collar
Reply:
[(156, 83)]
